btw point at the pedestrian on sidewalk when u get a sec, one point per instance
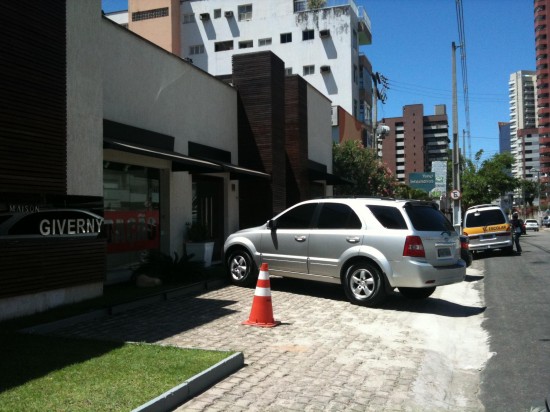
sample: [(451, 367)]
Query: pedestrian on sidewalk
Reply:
[(518, 229)]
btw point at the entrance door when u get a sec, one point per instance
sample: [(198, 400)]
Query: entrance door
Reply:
[(208, 208)]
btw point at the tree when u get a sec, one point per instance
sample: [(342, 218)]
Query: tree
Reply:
[(483, 182), (316, 4), (360, 165)]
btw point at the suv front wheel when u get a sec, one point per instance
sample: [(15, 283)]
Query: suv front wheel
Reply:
[(364, 285), (242, 268)]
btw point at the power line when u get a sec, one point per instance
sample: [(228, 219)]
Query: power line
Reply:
[(462, 40)]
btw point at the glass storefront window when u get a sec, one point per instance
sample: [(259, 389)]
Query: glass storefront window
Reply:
[(132, 216)]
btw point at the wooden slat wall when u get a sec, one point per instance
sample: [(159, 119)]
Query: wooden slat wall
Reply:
[(35, 266), (260, 79), (33, 105), (296, 140), (33, 148)]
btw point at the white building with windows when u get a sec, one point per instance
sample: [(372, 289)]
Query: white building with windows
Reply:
[(524, 138)]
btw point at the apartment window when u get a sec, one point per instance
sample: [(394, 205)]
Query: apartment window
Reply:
[(150, 14), (288, 71), (354, 74), (354, 40), (307, 35), (197, 49), (188, 18), (309, 70), (217, 13), (264, 42), (286, 37), (245, 12), (246, 44), (223, 45)]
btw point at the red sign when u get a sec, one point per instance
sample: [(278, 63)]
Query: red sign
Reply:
[(131, 230)]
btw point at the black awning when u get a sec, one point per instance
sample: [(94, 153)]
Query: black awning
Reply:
[(318, 171), (242, 173), (180, 162)]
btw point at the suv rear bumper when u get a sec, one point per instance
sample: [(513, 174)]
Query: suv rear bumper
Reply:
[(418, 274), (493, 245)]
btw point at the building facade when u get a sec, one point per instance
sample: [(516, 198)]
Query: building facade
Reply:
[(542, 38), (523, 124), (112, 151), (414, 141), (320, 44)]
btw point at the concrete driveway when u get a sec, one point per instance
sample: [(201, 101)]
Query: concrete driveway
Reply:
[(327, 354)]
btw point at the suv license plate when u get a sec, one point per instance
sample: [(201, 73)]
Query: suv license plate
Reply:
[(445, 252)]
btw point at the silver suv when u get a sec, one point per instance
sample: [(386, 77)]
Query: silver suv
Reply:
[(370, 246)]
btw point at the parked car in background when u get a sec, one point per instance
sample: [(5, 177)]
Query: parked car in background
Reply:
[(370, 246), (531, 224), (546, 221), (487, 228)]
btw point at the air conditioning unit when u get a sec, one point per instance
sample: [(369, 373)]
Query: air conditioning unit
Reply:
[(205, 16), (325, 69), (324, 33), (228, 14)]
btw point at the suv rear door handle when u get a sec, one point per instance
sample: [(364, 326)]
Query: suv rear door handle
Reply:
[(354, 239), (300, 238)]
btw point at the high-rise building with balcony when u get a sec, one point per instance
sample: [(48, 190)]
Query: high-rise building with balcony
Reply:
[(415, 141), (542, 37), (524, 139)]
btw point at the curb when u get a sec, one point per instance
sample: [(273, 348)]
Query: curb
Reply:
[(180, 394)]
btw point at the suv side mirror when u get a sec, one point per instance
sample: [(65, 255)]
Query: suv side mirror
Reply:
[(272, 224)]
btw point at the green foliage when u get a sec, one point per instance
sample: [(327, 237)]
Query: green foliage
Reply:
[(483, 182), (167, 268), (198, 232), (356, 163), (407, 192), (316, 4)]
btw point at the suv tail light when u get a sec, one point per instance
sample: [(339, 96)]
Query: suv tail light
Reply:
[(414, 247)]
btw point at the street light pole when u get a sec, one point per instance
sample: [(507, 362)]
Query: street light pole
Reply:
[(457, 216), (537, 171)]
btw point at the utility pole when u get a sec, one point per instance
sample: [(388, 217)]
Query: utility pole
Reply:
[(457, 215)]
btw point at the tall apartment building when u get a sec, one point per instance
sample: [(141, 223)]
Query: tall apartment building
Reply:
[(415, 141), (524, 139), (318, 40), (542, 35)]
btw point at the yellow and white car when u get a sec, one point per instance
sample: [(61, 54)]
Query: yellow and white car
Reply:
[(488, 227)]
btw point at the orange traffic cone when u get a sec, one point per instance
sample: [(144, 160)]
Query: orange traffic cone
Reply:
[(262, 310)]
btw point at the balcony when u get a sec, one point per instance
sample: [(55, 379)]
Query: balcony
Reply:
[(363, 25)]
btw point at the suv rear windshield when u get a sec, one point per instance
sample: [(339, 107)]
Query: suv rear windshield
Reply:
[(426, 217), (485, 218)]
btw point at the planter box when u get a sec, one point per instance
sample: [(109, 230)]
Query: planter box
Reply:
[(202, 252)]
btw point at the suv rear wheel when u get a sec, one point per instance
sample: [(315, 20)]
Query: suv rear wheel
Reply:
[(364, 285), (417, 293), (242, 268)]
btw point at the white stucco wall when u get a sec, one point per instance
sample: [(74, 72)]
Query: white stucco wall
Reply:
[(84, 99), (319, 128), (147, 87)]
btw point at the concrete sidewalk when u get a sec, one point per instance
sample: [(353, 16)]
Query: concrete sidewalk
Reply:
[(327, 354)]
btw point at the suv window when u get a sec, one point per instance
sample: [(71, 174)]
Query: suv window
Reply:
[(389, 217), (485, 218), (426, 217), (297, 218), (338, 216)]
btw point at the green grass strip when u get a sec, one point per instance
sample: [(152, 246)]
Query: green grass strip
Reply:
[(44, 373)]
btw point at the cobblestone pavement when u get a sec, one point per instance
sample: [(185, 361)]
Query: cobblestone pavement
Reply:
[(327, 355)]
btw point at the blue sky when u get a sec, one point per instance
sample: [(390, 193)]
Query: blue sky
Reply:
[(411, 46)]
